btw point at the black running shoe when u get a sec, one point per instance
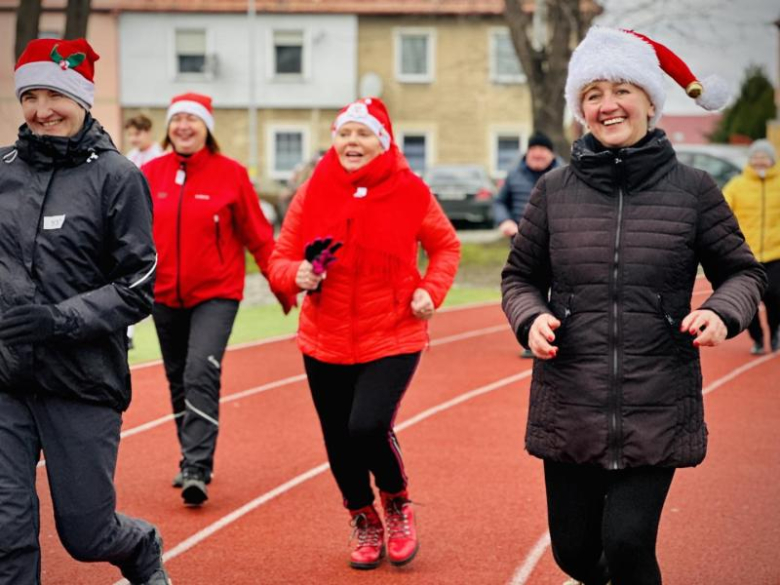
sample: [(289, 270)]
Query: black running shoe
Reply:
[(193, 489)]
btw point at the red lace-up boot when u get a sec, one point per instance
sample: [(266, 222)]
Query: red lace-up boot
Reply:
[(402, 543), (370, 535)]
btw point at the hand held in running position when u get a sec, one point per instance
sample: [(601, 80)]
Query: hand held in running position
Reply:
[(706, 326), (422, 304), (305, 277), (541, 335), (27, 324)]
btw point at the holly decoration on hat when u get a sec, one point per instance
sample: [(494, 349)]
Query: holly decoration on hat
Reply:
[(69, 62)]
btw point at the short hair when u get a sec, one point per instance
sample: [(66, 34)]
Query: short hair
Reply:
[(139, 122)]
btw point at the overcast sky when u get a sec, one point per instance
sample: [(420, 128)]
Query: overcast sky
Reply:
[(720, 37)]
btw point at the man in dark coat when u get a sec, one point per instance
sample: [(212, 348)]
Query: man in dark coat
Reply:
[(77, 263), (509, 204)]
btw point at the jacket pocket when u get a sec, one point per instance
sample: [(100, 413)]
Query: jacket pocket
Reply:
[(218, 238), (681, 341)]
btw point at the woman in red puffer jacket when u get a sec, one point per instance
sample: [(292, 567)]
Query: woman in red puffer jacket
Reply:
[(360, 220)]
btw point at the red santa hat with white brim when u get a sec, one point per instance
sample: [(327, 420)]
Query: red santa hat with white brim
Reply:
[(370, 112), (192, 103), (607, 54), (67, 67)]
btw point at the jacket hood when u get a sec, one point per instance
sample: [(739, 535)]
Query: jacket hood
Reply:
[(634, 168), (58, 151)]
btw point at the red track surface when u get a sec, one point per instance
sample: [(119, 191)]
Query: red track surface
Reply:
[(481, 511)]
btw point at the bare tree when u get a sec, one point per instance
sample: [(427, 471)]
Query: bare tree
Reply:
[(76, 17), (27, 17), (544, 34)]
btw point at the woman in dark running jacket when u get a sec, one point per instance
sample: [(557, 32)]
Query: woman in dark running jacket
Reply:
[(206, 214), (598, 285), (77, 265)]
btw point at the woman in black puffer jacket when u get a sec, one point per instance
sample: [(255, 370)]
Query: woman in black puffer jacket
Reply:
[(598, 285)]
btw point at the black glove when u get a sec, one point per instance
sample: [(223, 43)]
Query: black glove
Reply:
[(27, 324)]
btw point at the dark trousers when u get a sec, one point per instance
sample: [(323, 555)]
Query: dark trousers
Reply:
[(604, 524), (80, 442), (356, 405), (193, 342), (771, 303)]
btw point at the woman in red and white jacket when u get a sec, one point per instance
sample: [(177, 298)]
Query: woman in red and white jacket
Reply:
[(362, 329), (206, 213)]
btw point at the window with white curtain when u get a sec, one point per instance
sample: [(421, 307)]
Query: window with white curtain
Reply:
[(414, 55), (504, 65), (191, 51), (288, 52)]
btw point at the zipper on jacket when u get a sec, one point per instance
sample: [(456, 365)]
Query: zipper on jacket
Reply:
[(353, 302), (183, 171), (615, 429), (219, 240), (667, 317)]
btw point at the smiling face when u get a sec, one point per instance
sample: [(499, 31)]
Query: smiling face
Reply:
[(187, 133), (356, 145), (616, 113), (50, 113)]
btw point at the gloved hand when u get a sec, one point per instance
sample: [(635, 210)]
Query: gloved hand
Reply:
[(321, 252), (27, 324)]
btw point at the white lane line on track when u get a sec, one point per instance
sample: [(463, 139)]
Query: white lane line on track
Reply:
[(292, 380), (203, 534), (525, 570), (300, 377), (289, 336)]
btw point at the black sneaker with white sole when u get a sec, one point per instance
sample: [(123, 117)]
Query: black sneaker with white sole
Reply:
[(193, 489)]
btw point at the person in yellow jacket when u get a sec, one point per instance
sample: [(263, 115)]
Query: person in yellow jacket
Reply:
[(754, 196)]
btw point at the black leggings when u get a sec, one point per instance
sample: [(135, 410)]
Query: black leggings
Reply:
[(604, 524), (771, 302), (356, 405)]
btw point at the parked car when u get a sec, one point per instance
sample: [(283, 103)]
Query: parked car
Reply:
[(722, 161), (465, 192)]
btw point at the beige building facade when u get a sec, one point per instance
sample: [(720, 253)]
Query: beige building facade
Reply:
[(463, 107)]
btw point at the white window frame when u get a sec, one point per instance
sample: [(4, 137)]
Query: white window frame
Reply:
[(430, 75), (272, 130), (207, 75), (496, 132), (495, 75), (402, 132), (272, 75)]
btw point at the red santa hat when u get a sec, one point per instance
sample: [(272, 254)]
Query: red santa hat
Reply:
[(623, 55), (60, 65), (372, 113), (192, 103)]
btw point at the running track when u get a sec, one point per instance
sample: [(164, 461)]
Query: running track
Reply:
[(274, 516)]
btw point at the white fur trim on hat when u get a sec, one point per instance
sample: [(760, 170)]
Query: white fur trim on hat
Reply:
[(191, 107), (49, 75), (358, 112), (618, 56)]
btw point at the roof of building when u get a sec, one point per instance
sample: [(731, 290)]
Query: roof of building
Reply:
[(360, 7), (365, 7)]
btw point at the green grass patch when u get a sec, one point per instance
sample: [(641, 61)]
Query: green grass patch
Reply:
[(258, 322)]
